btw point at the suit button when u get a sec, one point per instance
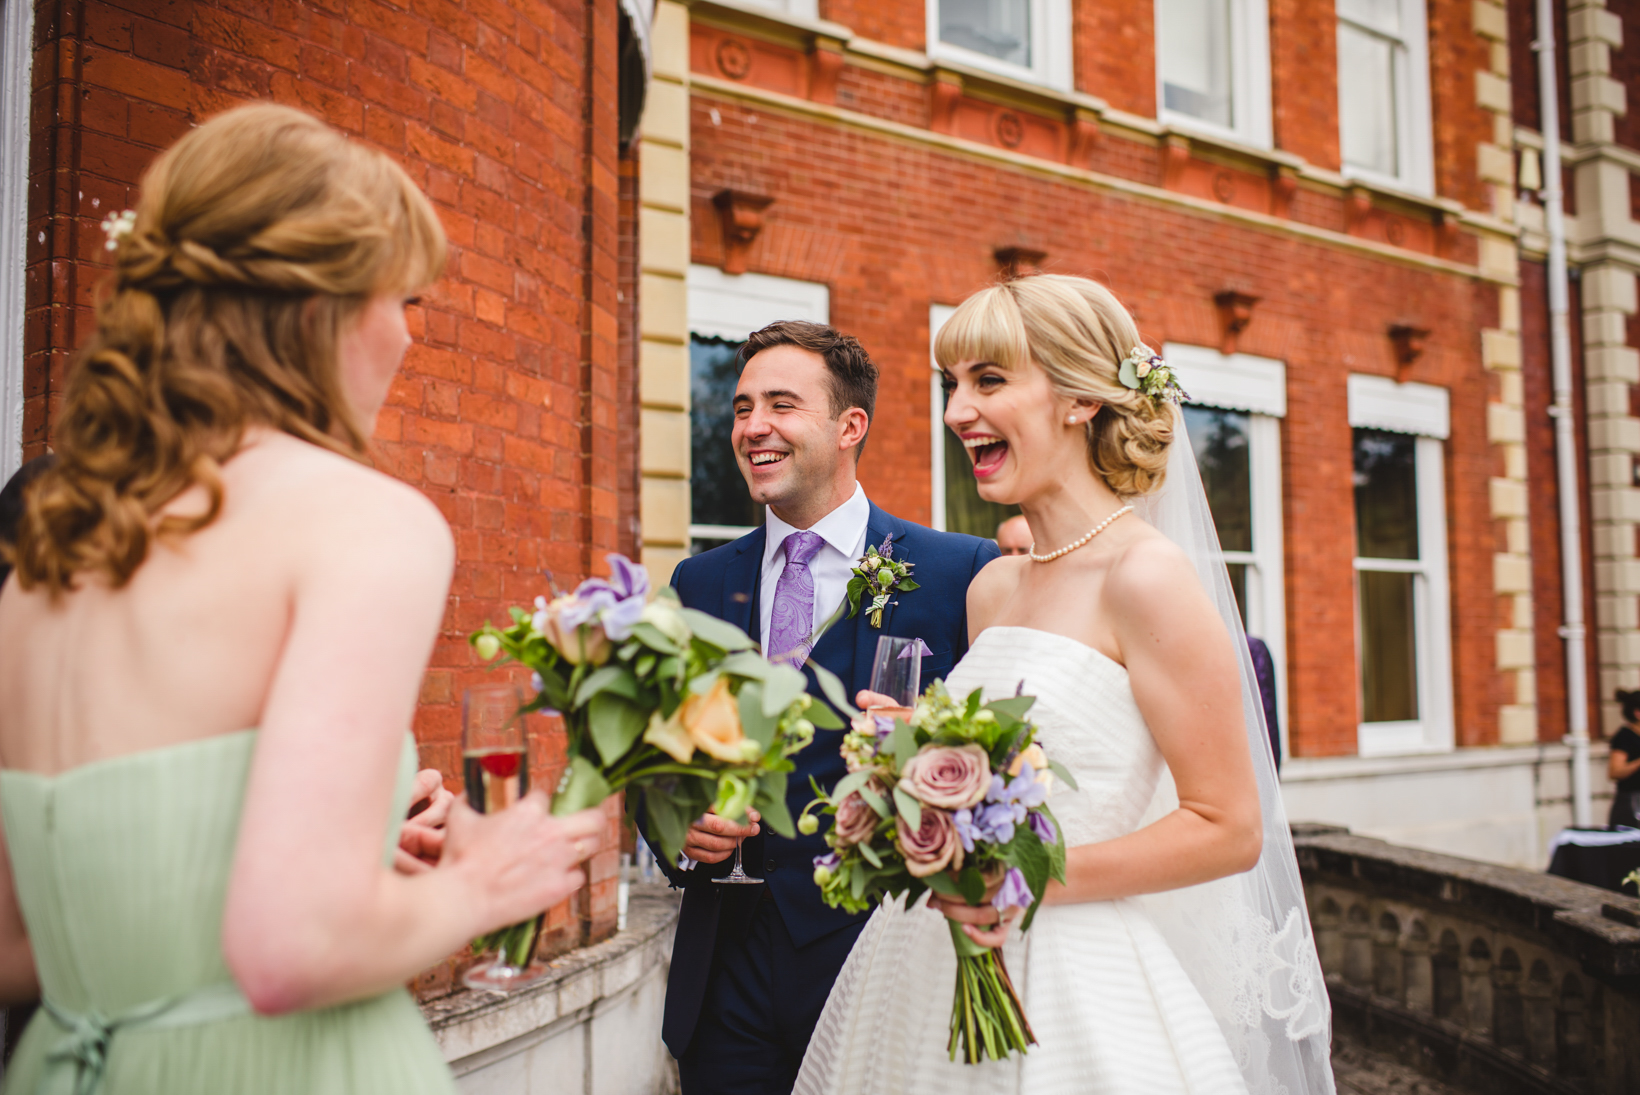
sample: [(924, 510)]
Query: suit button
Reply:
[(771, 866)]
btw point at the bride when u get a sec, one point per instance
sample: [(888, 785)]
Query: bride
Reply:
[(1177, 956)]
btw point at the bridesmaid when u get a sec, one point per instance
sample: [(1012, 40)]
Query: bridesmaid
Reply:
[(212, 646)]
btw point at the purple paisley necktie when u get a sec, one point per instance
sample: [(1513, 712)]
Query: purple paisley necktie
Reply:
[(792, 619)]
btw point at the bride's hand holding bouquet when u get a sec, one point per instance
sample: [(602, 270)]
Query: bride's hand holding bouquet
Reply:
[(949, 797)]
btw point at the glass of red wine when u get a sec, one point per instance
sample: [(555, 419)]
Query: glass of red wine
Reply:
[(495, 765)]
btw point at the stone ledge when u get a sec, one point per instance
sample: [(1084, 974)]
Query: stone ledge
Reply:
[(1569, 913), (465, 1023)]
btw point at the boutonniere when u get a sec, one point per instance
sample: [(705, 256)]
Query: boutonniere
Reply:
[(881, 575)]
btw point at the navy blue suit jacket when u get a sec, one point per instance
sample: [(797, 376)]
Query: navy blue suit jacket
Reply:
[(725, 582)]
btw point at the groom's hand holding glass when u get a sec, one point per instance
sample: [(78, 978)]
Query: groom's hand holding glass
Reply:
[(712, 838)]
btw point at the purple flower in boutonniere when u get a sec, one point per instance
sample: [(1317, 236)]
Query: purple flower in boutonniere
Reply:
[(878, 575)]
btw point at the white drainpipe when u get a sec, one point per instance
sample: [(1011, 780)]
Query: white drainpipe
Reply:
[(1560, 356)]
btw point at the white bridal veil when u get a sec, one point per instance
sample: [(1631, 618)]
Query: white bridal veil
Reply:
[(1245, 940)]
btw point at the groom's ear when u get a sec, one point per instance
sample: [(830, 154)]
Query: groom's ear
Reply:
[(854, 424)]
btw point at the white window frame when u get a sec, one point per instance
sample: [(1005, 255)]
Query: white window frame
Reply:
[(1249, 79), (1258, 387), (803, 9), (1050, 46), (1415, 139), (731, 307), (1378, 403), (16, 62)]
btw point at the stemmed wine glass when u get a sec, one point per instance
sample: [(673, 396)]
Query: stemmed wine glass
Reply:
[(738, 877), (495, 766), (896, 671)]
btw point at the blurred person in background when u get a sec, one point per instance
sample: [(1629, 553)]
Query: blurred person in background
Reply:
[(210, 653), (1014, 536), (1623, 764)]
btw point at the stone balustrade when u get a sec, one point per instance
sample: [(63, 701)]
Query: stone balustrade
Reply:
[(1492, 978)]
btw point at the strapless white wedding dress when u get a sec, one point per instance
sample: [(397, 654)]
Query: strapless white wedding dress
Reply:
[(1109, 999)]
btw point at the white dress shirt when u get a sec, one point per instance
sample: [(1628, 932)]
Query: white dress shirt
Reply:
[(844, 533)]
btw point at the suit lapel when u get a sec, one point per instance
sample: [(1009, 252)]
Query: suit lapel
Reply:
[(866, 636), (741, 578)]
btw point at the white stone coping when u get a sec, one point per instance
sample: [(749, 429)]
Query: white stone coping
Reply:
[(1307, 769), (466, 1023)]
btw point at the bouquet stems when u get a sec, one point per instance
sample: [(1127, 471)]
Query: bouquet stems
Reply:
[(987, 1019)]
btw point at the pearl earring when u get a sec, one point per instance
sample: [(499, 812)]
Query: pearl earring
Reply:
[(1071, 421)]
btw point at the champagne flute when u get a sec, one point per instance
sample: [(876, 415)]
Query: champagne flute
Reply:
[(495, 766), (896, 671)]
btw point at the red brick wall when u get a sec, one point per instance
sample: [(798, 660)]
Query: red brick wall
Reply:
[(1456, 53), (1304, 79), (1542, 468), (1114, 53), (507, 410), (896, 226), (897, 24)]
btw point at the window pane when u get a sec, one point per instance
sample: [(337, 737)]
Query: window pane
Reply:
[(1386, 495), (996, 28), (1219, 439), (1389, 668), (1238, 586), (1381, 15), (717, 489), (1366, 101), (1195, 58), (965, 510)]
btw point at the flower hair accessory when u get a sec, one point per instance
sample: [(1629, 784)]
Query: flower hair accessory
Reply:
[(117, 226), (1143, 370)]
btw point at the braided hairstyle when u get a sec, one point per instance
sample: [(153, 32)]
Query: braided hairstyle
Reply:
[(1078, 333), (257, 237)]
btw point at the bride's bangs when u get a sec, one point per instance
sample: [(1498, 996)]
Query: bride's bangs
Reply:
[(987, 326)]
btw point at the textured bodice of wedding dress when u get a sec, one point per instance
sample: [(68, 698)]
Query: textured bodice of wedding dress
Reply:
[(1109, 1000)]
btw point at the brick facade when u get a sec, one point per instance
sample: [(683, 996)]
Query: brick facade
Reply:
[(898, 195), (510, 403)]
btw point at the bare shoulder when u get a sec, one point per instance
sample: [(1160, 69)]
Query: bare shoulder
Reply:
[(1152, 577), (327, 498), (992, 587)]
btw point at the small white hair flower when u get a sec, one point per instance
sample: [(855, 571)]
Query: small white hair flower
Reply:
[(116, 226)]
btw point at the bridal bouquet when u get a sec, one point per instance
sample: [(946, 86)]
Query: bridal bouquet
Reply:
[(670, 704), (955, 801)]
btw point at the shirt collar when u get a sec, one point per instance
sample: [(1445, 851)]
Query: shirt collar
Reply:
[(842, 528)]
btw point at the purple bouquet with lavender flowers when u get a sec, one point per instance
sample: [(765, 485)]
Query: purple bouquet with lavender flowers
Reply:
[(953, 801)]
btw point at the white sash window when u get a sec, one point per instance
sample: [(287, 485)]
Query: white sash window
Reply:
[(1403, 631), (1024, 39), (1383, 93), (1213, 67)]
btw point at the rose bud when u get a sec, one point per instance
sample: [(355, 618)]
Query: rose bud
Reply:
[(948, 776), (808, 824), (856, 820), (933, 846)]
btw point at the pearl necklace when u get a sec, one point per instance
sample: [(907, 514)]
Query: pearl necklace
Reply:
[(1068, 548)]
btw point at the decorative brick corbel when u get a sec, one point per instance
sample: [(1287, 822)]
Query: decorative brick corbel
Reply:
[(1409, 347), (1357, 209), (742, 216), (1235, 313), (1018, 262), (825, 66), (943, 93), (1082, 136), (1447, 234), (1283, 185), (1175, 158)]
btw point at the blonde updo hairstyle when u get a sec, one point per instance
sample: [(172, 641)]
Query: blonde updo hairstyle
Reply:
[(1077, 332), (258, 236)]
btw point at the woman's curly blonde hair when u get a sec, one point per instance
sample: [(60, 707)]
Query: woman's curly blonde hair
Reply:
[(257, 237), (1078, 332)]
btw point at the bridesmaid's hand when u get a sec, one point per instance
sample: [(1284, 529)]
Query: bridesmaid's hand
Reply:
[(429, 800), (981, 923)]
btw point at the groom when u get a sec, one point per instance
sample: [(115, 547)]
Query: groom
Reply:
[(752, 965)]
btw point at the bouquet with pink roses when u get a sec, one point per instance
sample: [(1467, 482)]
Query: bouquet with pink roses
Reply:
[(953, 801)]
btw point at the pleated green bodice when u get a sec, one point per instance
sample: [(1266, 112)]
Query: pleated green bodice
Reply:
[(122, 869)]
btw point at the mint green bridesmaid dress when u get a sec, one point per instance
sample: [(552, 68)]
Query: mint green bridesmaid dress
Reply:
[(121, 869)]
